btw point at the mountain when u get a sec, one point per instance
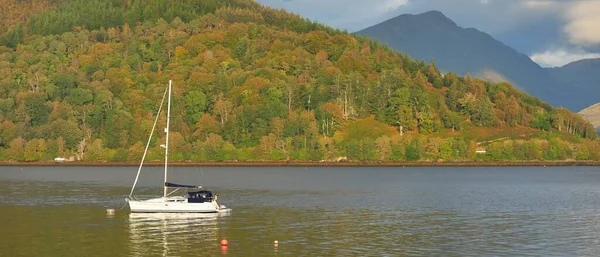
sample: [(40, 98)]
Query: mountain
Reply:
[(579, 80), (592, 114), (251, 83), (433, 36)]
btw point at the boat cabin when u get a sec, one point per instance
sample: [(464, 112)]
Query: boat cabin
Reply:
[(200, 196)]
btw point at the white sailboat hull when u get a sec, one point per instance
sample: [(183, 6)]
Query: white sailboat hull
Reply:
[(173, 205)]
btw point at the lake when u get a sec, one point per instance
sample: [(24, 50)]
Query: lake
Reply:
[(330, 211)]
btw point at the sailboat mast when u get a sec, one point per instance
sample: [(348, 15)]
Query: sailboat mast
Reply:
[(167, 139)]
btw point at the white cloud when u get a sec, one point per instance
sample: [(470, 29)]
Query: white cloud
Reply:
[(484, 1), (389, 5), (560, 57), (541, 4), (583, 23), (581, 18)]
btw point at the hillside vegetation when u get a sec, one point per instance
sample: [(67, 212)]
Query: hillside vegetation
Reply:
[(85, 78)]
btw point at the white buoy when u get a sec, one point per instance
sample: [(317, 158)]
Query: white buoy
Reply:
[(110, 211)]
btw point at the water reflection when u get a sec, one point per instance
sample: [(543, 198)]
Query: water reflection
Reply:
[(170, 234)]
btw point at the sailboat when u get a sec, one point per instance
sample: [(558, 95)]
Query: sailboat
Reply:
[(195, 200)]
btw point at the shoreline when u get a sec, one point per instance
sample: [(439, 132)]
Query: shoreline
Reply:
[(317, 163)]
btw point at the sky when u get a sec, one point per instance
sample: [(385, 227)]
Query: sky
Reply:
[(551, 32)]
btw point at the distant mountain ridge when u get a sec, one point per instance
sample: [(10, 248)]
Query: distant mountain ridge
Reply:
[(433, 36), (579, 80)]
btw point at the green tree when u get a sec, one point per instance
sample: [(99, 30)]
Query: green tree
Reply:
[(66, 130), (37, 109), (96, 152), (384, 148), (34, 149), (14, 37), (195, 106), (117, 126), (452, 120), (79, 97), (483, 114), (16, 149), (425, 121), (398, 152), (541, 121), (64, 82), (406, 118), (582, 153), (413, 150)]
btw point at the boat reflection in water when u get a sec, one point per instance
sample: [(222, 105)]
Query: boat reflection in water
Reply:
[(174, 234)]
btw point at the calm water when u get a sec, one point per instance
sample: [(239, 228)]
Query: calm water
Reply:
[(60, 211)]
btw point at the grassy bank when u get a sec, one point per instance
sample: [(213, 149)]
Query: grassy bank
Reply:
[(318, 164)]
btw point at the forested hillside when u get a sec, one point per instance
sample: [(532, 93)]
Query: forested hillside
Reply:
[(85, 78)]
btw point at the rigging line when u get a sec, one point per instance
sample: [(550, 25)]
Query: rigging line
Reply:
[(191, 174), (202, 173), (148, 144), (172, 192), (122, 206), (200, 178)]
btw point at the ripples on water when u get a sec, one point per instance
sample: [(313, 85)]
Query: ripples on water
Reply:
[(323, 212)]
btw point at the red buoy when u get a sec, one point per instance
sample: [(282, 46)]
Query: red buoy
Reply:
[(224, 242), (224, 249)]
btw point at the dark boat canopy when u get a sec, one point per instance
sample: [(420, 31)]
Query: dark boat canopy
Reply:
[(173, 185), (201, 196)]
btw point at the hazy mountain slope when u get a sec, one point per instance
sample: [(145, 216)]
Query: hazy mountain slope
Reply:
[(580, 80), (592, 114)]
